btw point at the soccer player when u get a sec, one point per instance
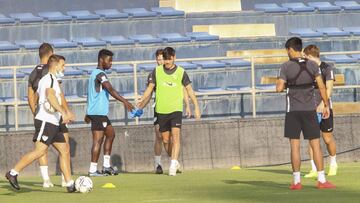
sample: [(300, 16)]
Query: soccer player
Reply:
[(47, 130), (312, 52), (298, 75), (169, 81), (158, 139), (99, 89), (45, 51)]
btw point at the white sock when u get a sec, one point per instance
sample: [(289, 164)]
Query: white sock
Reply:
[(106, 161), (44, 173), (13, 172), (62, 177), (70, 183), (173, 162), (93, 167), (313, 166), (321, 177), (158, 160), (333, 160), (296, 177)]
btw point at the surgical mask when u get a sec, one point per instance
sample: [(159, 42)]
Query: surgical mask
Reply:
[(59, 75)]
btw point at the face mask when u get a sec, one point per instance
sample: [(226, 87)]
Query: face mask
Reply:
[(59, 75)]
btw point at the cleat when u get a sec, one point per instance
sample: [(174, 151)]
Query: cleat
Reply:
[(311, 174), (296, 186), (326, 185), (63, 184), (47, 184), (333, 170), (159, 170), (110, 171), (178, 167), (172, 171), (71, 188), (96, 174), (12, 180)]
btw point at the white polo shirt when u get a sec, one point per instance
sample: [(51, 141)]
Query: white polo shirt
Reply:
[(48, 81)]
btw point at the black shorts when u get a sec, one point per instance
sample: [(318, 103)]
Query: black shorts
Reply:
[(302, 121), (327, 125), (63, 127), (99, 123), (168, 121), (47, 133)]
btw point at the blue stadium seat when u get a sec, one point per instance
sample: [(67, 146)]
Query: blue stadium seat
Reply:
[(341, 58), (72, 97), (147, 66), (298, 7), (333, 31), (139, 12), (265, 87), (236, 62), (355, 56), (167, 11), (117, 40), (186, 65), (174, 37), (6, 20), (8, 74), (270, 8), (89, 69), (55, 16), (145, 39), (352, 30), (62, 43), (89, 41), (26, 71), (324, 6), (28, 44), (111, 14), (238, 88), (71, 71), (305, 32), (209, 64), (83, 15), (348, 5), (210, 89), (8, 46), (127, 94), (202, 36), (9, 99), (26, 17), (126, 68)]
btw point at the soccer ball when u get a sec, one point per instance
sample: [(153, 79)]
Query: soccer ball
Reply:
[(83, 184), (49, 108)]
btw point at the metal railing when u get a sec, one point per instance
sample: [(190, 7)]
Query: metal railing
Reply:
[(253, 91)]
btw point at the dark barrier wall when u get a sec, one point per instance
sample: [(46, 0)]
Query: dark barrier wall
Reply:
[(35, 6), (205, 145)]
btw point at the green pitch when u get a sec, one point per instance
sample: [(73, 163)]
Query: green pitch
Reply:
[(266, 184)]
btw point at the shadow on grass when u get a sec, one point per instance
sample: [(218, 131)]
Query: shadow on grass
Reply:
[(277, 171), (268, 184), (25, 187)]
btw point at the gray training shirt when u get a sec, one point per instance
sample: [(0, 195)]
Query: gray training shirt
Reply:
[(327, 74), (300, 99)]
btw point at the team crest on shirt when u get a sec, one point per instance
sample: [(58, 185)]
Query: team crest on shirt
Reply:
[(104, 124), (44, 137)]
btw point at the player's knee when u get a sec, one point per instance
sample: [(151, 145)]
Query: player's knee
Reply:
[(165, 140)]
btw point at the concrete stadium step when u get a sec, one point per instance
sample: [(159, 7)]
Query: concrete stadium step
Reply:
[(247, 54), (202, 5), (238, 30)]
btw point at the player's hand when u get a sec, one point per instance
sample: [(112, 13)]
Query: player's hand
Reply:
[(139, 102), (66, 118), (326, 112), (188, 112), (197, 114), (320, 107), (87, 119), (71, 116), (128, 106)]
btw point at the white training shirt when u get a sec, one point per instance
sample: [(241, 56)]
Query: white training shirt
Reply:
[(48, 81)]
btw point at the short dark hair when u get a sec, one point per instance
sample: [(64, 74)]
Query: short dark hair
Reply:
[(168, 52), (159, 52), (54, 59), (104, 53), (45, 49), (294, 43), (312, 50)]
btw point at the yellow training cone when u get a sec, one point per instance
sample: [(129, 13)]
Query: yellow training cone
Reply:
[(109, 185), (235, 168)]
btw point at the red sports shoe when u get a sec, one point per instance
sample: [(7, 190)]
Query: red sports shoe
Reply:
[(326, 185), (296, 186)]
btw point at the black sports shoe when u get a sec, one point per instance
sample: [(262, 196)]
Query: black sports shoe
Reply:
[(12, 180), (110, 170), (159, 170), (71, 188)]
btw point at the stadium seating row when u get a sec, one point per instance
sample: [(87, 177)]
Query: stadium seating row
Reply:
[(111, 40), (80, 15), (326, 32), (310, 7)]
